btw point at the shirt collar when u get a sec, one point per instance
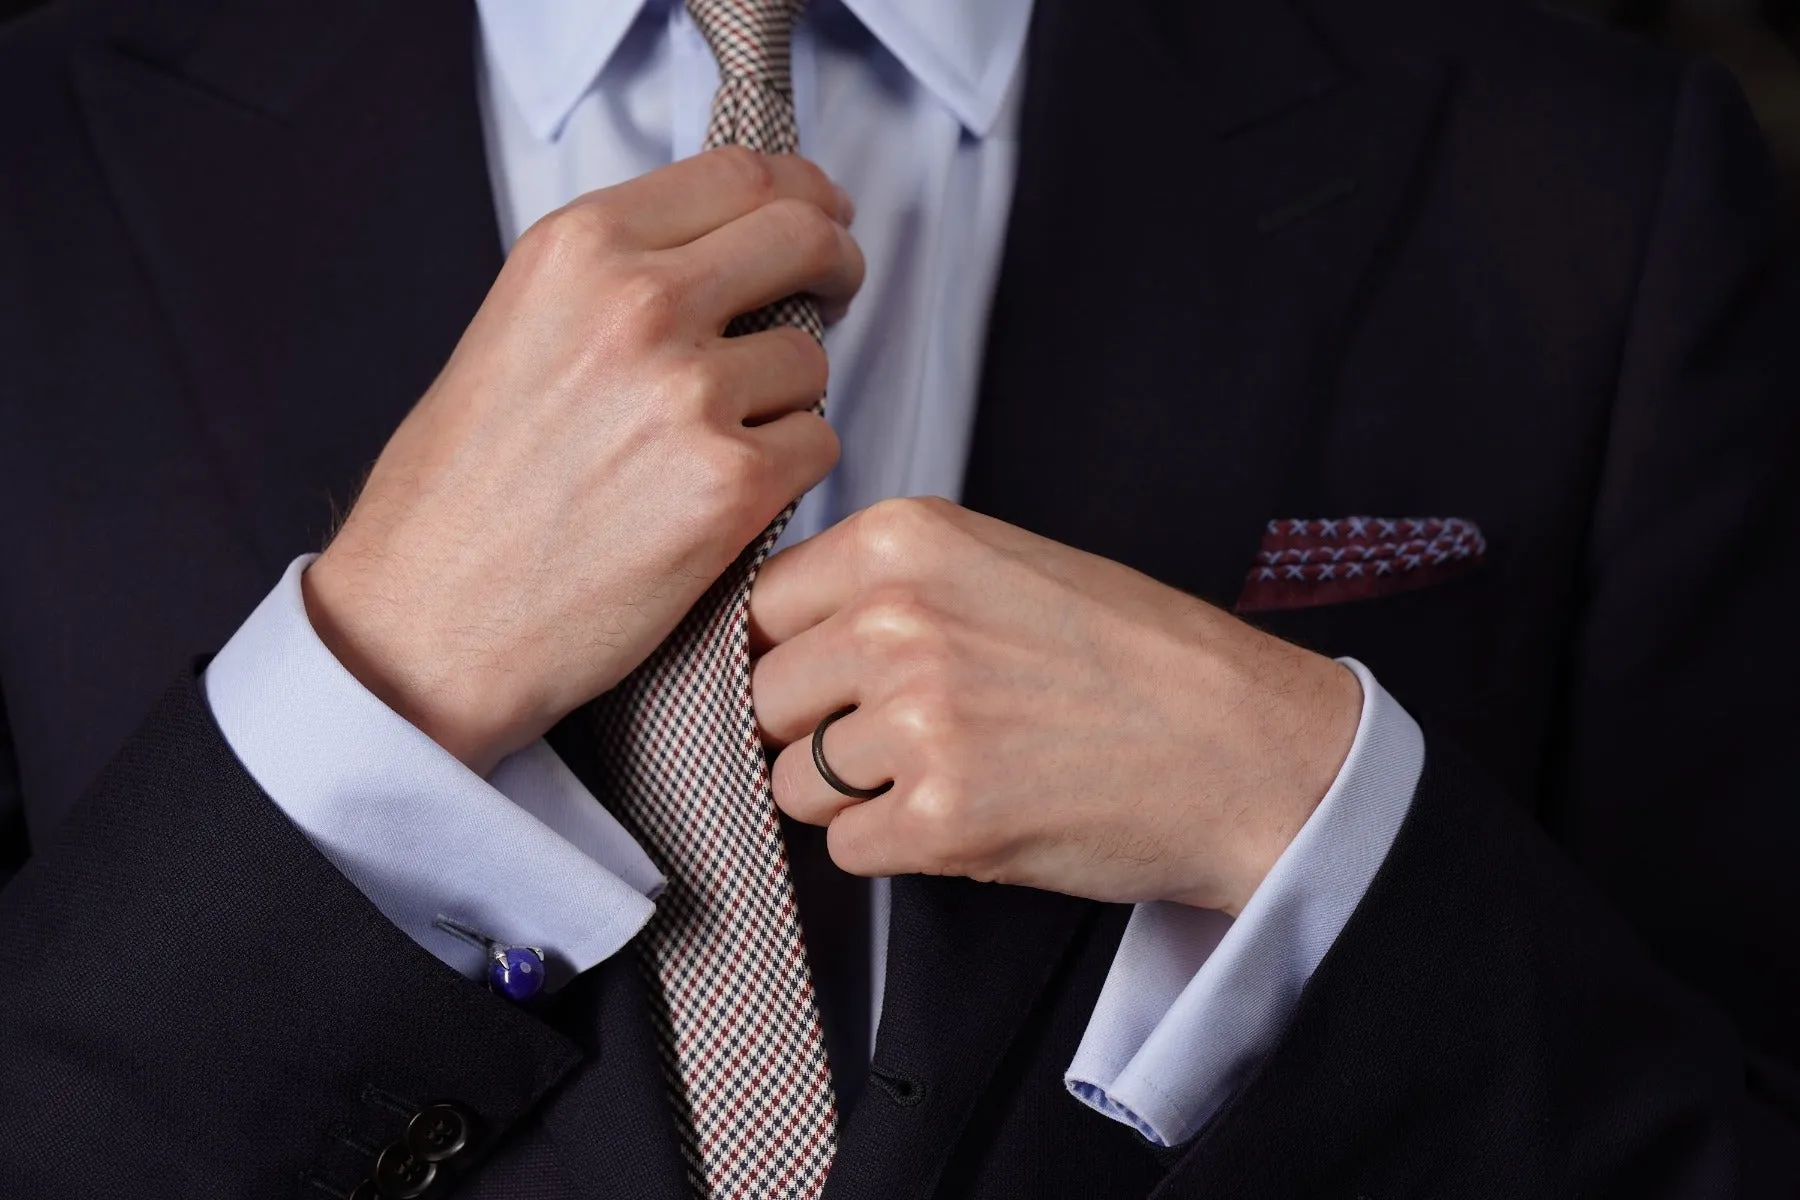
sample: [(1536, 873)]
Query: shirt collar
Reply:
[(965, 52)]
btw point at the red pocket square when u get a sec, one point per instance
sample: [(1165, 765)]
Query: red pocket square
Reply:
[(1306, 563)]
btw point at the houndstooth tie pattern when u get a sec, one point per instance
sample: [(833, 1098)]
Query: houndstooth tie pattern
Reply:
[(735, 1013)]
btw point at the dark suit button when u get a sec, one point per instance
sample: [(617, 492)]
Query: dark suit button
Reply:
[(366, 1190), (438, 1132), (403, 1175)]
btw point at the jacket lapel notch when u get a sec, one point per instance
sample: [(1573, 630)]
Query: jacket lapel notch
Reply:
[(1152, 393), (316, 250), (967, 962)]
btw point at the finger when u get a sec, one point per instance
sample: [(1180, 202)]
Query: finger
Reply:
[(799, 683), (896, 542), (764, 375), (685, 200), (805, 584), (785, 248), (864, 839), (800, 449), (857, 753)]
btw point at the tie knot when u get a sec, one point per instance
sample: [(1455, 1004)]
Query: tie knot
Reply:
[(750, 38)]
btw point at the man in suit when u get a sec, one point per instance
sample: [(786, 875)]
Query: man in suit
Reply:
[(1456, 341)]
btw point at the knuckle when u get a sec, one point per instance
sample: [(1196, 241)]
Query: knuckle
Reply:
[(895, 532), (697, 387), (953, 831), (811, 365), (813, 235), (824, 448), (817, 182), (549, 245), (858, 266), (747, 171), (649, 301), (787, 781), (562, 226), (607, 227), (855, 849), (605, 223), (730, 472), (935, 812), (893, 623), (921, 720), (821, 450), (574, 227)]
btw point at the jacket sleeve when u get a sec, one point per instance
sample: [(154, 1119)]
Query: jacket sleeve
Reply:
[(173, 946), (1579, 991)]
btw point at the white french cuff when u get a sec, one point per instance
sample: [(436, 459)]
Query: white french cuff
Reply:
[(1194, 999), (527, 856)]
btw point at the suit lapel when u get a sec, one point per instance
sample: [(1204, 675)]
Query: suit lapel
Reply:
[(306, 186), (1206, 196)]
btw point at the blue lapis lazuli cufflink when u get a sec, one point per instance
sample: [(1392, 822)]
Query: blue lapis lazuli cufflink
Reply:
[(516, 972)]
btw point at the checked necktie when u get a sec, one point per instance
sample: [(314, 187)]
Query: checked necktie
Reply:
[(736, 1017)]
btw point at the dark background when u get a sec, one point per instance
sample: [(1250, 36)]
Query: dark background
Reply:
[(1758, 39)]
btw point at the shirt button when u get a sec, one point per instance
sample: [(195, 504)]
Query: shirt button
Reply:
[(437, 1132), (402, 1175)]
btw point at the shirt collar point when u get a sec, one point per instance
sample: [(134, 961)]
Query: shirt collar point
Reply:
[(978, 106), (969, 68), (548, 53), (546, 121), (979, 114)]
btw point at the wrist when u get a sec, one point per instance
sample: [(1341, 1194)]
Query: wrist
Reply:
[(1308, 713), (385, 644)]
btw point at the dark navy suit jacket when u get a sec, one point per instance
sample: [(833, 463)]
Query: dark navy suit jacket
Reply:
[(1268, 258)]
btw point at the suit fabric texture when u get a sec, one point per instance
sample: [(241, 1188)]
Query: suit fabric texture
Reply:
[(1266, 259)]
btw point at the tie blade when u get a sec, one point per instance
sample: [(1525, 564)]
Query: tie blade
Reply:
[(734, 1007)]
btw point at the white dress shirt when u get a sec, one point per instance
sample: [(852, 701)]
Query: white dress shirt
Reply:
[(911, 105)]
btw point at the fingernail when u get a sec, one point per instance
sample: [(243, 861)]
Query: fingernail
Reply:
[(846, 207)]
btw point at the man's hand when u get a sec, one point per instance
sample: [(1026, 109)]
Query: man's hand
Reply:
[(595, 453), (1048, 718)]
